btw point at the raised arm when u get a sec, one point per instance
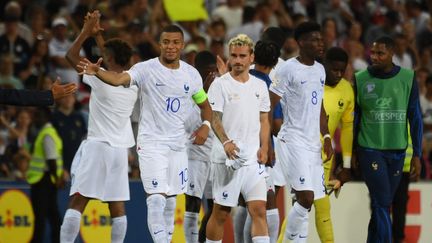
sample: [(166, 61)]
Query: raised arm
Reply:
[(84, 66)]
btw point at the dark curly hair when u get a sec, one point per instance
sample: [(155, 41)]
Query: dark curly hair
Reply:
[(266, 53), (119, 50)]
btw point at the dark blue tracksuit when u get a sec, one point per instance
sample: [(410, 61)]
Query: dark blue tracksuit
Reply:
[(382, 169)]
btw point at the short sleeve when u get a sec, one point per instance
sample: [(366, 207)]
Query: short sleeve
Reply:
[(280, 82), (265, 99), (137, 74), (215, 96), (197, 81)]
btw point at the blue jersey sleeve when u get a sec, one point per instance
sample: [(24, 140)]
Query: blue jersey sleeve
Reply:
[(277, 112), (415, 119)]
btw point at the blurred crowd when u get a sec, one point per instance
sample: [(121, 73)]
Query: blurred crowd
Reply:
[(35, 35)]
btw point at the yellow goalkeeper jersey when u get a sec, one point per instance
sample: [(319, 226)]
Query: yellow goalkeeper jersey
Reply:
[(339, 106)]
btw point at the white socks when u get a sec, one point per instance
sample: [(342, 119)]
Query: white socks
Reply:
[(273, 224), (190, 226), (155, 218), (118, 230), (70, 227), (213, 241), (261, 239), (239, 221), (168, 215), (303, 234), (297, 217)]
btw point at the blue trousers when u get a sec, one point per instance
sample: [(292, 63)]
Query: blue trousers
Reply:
[(382, 171)]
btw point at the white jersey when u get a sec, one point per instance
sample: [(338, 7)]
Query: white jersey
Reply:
[(241, 104), (198, 152), (301, 89), (278, 65), (166, 101), (110, 111)]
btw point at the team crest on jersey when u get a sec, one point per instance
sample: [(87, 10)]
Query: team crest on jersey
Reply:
[(225, 194), (155, 183), (186, 88), (257, 95), (340, 104), (374, 165), (370, 87), (322, 82), (302, 180)]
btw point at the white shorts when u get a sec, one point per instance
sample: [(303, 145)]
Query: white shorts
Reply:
[(277, 173), (302, 169), (208, 189), (228, 184), (100, 171), (163, 170), (199, 173)]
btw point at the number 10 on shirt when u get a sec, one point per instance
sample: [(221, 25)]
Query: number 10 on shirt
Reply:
[(172, 104)]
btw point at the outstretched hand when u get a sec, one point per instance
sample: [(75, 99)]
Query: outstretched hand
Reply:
[(61, 90), (88, 67)]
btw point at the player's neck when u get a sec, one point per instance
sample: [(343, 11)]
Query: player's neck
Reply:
[(303, 59), (241, 77), (169, 64)]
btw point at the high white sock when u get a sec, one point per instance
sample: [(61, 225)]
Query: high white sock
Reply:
[(296, 216), (239, 221), (261, 239), (70, 227), (213, 241), (190, 226), (247, 230), (273, 224), (118, 230), (169, 216), (303, 234), (155, 218)]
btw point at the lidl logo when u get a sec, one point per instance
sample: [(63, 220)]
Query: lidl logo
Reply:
[(16, 217), (96, 223)]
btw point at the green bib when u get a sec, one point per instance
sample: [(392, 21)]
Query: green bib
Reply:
[(384, 105)]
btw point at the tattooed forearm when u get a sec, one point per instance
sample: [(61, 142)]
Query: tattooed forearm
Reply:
[(218, 127)]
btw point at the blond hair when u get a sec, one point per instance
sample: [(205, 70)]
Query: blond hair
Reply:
[(241, 40)]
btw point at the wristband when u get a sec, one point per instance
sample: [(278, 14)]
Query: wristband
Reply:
[(346, 162), (227, 141), (327, 136), (207, 123)]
